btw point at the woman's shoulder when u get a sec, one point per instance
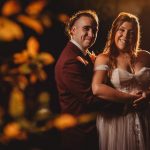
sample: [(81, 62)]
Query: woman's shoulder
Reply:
[(102, 59)]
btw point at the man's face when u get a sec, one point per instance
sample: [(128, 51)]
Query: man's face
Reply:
[(84, 32)]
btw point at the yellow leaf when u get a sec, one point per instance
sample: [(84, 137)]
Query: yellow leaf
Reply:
[(22, 81), (44, 97), (65, 121), (32, 46), (16, 103), (63, 17), (46, 58), (85, 118), (34, 8), (12, 130), (46, 20), (9, 30), (20, 58), (11, 7), (34, 24), (33, 78), (24, 69), (42, 75)]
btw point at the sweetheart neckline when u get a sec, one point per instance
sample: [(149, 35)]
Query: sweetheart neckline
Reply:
[(143, 68)]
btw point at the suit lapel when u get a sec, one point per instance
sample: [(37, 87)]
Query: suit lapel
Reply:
[(88, 64)]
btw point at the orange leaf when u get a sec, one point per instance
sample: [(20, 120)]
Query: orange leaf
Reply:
[(34, 8), (42, 75), (65, 121), (46, 58), (33, 78), (31, 23), (11, 7), (63, 17), (9, 30), (20, 58), (46, 21), (12, 130), (32, 46), (16, 103)]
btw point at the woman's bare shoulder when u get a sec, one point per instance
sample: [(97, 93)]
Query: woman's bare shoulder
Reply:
[(102, 58)]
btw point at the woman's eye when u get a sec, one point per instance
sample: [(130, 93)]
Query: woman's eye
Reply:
[(121, 30), (131, 32)]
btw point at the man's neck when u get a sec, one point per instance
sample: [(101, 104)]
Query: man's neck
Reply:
[(79, 46)]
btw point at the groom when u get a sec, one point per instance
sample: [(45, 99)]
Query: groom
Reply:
[(73, 74)]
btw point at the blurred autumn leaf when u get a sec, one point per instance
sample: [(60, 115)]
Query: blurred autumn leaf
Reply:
[(32, 23), (11, 7), (65, 121), (62, 17), (16, 103), (12, 130), (46, 20), (9, 30), (32, 46), (46, 58), (31, 61), (20, 58), (35, 7)]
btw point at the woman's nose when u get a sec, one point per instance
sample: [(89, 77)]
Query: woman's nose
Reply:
[(126, 34)]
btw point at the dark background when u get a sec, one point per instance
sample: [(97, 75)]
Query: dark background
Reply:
[(54, 38), (53, 41)]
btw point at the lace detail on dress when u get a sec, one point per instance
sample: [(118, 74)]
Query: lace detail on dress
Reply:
[(101, 67)]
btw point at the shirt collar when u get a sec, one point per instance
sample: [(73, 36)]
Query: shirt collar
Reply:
[(79, 46)]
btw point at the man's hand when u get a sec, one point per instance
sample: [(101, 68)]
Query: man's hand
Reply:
[(140, 100)]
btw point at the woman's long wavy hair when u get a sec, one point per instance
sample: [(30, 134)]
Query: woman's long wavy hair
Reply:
[(110, 48)]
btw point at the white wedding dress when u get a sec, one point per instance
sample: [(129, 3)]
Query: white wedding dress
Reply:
[(120, 126)]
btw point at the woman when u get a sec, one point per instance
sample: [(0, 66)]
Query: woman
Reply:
[(121, 71)]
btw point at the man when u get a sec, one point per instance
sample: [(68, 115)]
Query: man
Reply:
[(73, 74)]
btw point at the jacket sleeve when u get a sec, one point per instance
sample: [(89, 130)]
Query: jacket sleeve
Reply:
[(76, 83)]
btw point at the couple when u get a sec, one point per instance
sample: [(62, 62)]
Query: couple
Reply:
[(117, 85)]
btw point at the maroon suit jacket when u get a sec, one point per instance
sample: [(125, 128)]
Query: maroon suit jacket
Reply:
[(73, 80)]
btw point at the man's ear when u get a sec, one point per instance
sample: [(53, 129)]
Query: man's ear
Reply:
[(73, 29)]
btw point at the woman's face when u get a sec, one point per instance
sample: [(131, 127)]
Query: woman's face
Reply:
[(124, 37)]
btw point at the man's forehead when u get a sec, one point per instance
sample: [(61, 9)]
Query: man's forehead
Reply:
[(85, 20)]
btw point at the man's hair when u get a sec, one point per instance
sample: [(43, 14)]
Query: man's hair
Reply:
[(89, 13)]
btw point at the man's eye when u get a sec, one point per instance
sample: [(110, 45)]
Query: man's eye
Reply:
[(86, 28)]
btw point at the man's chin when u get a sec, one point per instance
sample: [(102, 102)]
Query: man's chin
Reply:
[(88, 45)]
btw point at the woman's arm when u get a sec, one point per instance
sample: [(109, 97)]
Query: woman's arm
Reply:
[(104, 91), (142, 60)]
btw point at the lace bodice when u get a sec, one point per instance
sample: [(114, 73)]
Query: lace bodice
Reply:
[(129, 82)]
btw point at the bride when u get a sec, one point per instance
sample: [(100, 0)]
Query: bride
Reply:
[(122, 77)]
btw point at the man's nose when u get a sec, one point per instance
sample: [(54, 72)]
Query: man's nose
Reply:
[(90, 33)]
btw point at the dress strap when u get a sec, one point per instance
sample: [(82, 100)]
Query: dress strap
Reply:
[(101, 67)]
